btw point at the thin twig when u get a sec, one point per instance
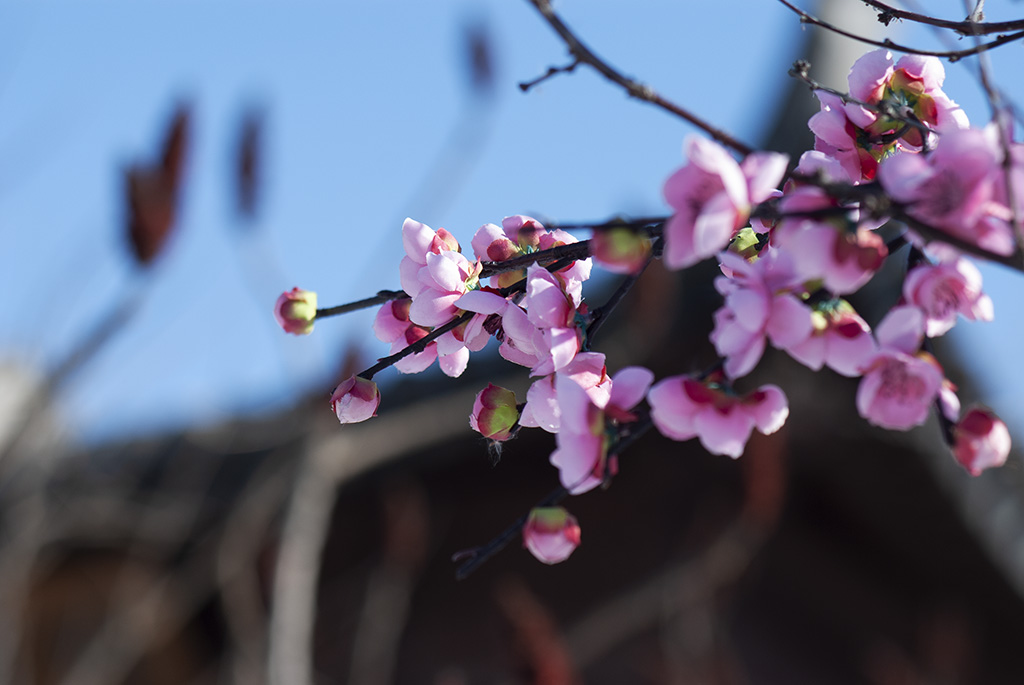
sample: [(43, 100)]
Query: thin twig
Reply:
[(583, 54), (552, 71), (887, 13), (951, 55), (381, 297)]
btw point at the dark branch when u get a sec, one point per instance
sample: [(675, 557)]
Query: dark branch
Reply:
[(951, 55), (887, 13), (381, 297), (581, 53)]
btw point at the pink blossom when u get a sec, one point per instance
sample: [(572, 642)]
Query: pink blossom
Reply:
[(836, 136), (955, 189), (946, 289), (392, 325), (355, 400), (542, 409), (914, 83), (295, 311), (712, 197), (825, 248), (980, 440), (552, 310), (760, 304), (900, 384), (683, 407), (434, 273), (841, 340), (551, 534), (858, 136), (581, 456), (494, 413)]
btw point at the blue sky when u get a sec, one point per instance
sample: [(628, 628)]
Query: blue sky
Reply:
[(367, 108)]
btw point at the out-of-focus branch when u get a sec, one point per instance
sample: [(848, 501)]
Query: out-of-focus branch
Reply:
[(582, 53), (886, 13), (951, 55)]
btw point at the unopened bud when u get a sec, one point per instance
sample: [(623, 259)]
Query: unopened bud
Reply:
[(494, 413), (295, 311), (355, 400), (551, 534)]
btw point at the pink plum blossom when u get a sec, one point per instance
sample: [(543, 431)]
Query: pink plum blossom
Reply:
[(392, 325), (946, 289), (355, 400), (295, 311), (826, 249), (712, 197), (581, 455), (761, 303), (434, 273), (683, 407), (858, 136), (900, 384), (913, 84), (552, 310), (980, 440), (955, 189), (542, 408), (551, 534), (841, 340), (836, 136)]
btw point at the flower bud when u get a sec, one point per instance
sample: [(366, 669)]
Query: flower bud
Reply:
[(295, 311), (980, 440), (355, 400), (620, 250), (551, 534), (494, 413)]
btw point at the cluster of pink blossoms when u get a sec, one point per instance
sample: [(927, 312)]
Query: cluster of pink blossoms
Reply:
[(788, 255)]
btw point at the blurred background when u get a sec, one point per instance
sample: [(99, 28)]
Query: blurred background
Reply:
[(179, 504)]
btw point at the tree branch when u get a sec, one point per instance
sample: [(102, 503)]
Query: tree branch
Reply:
[(581, 53)]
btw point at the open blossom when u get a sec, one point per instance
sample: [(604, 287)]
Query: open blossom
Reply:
[(900, 384), (944, 290), (551, 534), (542, 409), (683, 407), (840, 339), (913, 84), (712, 197), (552, 310), (581, 456), (434, 273), (955, 188), (355, 400), (826, 249), (858, 136), (392, 325), (760, 304), (295, 311), (980, 440)]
